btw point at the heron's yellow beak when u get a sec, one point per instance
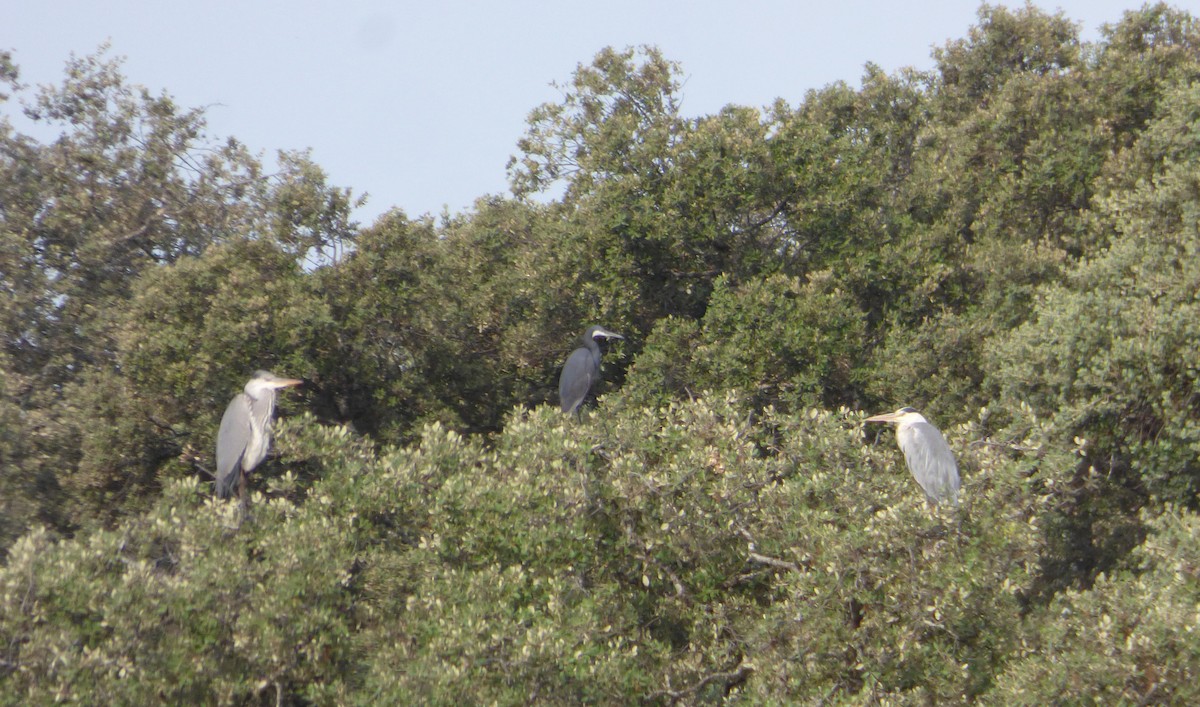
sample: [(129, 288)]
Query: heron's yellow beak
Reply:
[(885, 417)]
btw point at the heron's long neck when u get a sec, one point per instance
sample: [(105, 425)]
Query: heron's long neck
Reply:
[(263, 408)]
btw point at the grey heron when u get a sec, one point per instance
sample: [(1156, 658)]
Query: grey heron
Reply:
[(582, 369), (245, 434), (925, 451)]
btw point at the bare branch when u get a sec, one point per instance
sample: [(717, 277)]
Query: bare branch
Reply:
[(729, 678), (774, 562)]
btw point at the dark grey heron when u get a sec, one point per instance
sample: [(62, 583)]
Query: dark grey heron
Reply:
[(925, 451), (582, 369), (245, 434)]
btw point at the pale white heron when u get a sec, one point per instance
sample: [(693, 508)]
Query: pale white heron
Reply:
[(925, 451)]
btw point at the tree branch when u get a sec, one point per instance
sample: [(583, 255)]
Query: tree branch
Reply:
[(774, 562), (729, 678)]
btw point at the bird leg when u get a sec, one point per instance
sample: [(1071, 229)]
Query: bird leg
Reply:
[(243, 496)]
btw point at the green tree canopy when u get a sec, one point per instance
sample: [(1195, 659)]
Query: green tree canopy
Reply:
[(1007, 242)]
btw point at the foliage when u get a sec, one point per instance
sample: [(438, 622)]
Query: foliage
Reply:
[(777, 340), (131, 187), (1105, 356), (653, 563), (1007, 242), (1132, 638), (149, 612)]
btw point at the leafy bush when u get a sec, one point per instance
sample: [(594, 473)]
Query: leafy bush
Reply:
[(777, 340), (1131, 638), (180, 605)]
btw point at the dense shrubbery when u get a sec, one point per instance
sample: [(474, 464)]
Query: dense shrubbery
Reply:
[(635, 555), (1008, 242)]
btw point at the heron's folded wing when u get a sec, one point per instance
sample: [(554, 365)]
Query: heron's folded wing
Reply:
[(232, 439)]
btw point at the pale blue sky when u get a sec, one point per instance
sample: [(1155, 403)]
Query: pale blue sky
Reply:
[(420, 104)]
